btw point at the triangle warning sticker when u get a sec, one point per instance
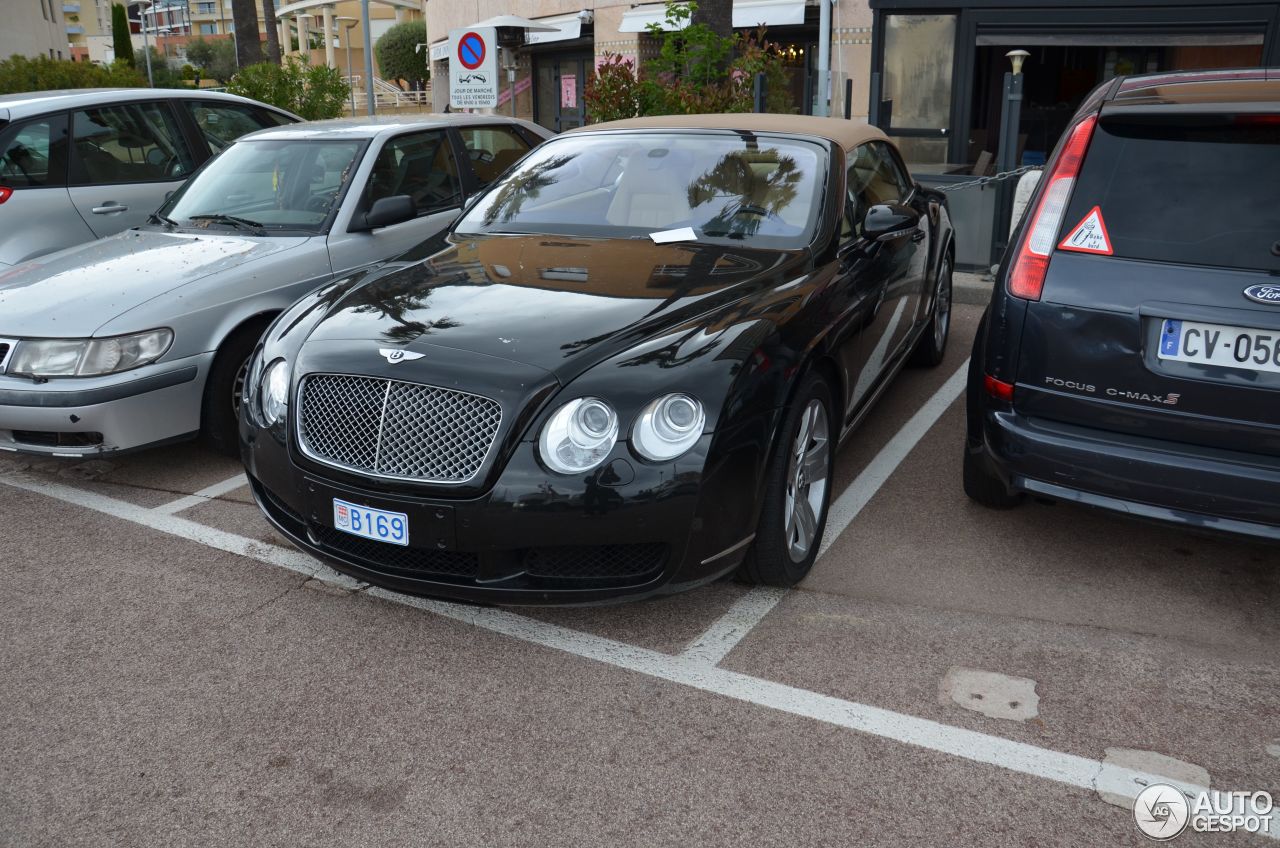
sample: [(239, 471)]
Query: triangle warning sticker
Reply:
[(1089, 236)]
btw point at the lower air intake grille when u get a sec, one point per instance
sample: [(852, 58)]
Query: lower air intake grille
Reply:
[(382, 555), (602, 561)]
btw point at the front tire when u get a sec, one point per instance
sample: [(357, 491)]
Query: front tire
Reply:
[(932, 346), (220, 413), (797, 491)]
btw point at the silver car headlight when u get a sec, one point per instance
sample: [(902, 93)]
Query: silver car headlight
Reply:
[(668, 427), (274, 393), (579, 436), (88, 357)]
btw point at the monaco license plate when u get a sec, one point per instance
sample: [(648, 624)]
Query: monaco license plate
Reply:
[(377, 524), (1217, 344)]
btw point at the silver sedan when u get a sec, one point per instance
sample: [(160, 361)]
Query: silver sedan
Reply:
[(142, 338)]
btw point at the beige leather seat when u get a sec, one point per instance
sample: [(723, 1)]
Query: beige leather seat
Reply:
[(653, 191)]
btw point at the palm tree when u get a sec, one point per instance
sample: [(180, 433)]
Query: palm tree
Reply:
[(273, 30), (248, 48)]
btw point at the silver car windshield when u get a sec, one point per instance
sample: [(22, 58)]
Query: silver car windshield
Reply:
[(285, 184), (633, 184)]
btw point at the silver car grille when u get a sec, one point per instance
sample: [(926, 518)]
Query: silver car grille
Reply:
[(390, 428)]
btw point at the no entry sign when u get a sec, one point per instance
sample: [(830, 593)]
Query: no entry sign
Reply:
[(473, 68)]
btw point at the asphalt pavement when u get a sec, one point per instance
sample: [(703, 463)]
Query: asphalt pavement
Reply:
[(174, 674)]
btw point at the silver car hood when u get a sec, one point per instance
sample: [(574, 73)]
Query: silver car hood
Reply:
[(72, 293)]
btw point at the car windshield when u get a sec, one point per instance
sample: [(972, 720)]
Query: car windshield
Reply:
[(634, 184), (268, 185)]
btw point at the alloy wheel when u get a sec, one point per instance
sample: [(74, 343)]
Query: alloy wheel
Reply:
[(942, 309), (807, 481)]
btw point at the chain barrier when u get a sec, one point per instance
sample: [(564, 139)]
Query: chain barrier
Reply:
[(994, 178)]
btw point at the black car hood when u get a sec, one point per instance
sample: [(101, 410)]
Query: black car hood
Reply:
[(556, 303)]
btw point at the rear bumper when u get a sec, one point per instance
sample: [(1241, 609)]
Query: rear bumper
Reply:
[(1207, 488)]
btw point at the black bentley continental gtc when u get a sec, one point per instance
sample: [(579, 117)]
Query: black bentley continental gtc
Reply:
[(625, 374)]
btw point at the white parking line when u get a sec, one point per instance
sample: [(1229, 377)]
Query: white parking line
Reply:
[(206, 494), (727, 631), (1020, 757), (851, 501), (183, 528), (692, 671)]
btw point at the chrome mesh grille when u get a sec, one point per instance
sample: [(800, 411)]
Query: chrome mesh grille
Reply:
[(396, 429)]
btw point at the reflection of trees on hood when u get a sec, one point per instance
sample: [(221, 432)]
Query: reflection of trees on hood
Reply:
[(734, 178), (526, 184), (393, 299)]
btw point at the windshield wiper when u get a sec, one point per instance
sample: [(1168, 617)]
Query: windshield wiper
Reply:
[(164, 219), (219, 218)]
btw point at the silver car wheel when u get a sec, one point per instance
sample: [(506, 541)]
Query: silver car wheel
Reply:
[(942, 308), (807, 481), (237, 385)]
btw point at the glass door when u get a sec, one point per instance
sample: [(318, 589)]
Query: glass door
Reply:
[(561, 78), (915, 88)]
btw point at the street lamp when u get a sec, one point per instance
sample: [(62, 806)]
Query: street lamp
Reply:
[(349, 23), (1016, 58), (146, 44)]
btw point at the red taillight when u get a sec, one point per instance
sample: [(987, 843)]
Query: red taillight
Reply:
[(1026, 279), (1257, 120), (4, 193), (998, 389)]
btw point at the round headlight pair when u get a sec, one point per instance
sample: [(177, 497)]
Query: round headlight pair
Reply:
[(579, 436), (274, 393), (581, 433)]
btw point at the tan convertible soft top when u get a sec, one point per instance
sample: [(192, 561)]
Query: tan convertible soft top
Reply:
[(848, 134)]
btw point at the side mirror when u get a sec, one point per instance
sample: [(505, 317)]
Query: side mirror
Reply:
[(386, 211), (889, 221)]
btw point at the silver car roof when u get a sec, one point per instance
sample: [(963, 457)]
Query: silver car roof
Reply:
[(377, 125), (27, 104)]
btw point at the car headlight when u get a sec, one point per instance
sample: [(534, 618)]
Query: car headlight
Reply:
[(668, 427), (88, 357), (274, 393), (579, 436)]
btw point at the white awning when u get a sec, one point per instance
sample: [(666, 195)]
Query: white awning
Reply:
[(753, 13), (638, 18), (566, 27), (440, 50), (746, 14)]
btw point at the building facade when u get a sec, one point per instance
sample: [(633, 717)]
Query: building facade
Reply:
[(552, 68), (34, 28)]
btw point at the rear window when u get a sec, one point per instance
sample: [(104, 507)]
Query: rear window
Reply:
[(1192, 192)]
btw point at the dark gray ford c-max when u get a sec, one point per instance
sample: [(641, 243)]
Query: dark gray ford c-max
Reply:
[(1130, 356)]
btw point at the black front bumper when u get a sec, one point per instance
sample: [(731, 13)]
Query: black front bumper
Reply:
[(626, 531), (1206, 488)]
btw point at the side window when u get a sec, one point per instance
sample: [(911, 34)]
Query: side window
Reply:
[(874, 178), (130, 143), (34, 155), (420, 165), (222, 123), (897, 171), (492, 149)]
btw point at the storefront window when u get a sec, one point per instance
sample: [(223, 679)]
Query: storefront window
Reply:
[(919, 51)]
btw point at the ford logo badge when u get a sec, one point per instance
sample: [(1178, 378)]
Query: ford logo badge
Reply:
[(1264, 294)]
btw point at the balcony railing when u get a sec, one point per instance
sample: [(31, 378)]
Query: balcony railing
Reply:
[(75, 29), (72, 8)]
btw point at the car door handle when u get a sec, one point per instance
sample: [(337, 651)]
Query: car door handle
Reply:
[(110, 209), (918, 235)]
